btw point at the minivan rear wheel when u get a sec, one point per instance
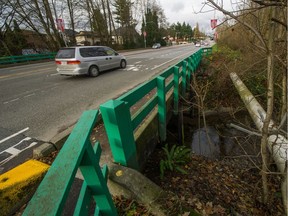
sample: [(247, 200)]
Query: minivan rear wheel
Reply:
[(93, 71), (123, 63)]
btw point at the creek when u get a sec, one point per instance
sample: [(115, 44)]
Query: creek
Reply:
[(215, 140)]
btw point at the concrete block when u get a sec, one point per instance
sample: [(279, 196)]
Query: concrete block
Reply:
[(43, 150)]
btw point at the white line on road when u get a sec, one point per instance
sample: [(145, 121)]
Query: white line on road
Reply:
[(15, 152), (132, 68), (6, 102), (138, 62), (168, 61), (54, 74), (29, 95), (13, 135)]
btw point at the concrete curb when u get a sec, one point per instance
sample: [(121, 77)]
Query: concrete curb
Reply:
[(19, 184)]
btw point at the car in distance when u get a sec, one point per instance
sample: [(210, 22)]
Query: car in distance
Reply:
[(90, 60), (197, 45), (156, 46)]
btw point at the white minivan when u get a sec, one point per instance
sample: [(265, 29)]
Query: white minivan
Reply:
[(89, 60)]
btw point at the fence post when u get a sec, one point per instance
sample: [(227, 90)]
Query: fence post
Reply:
[(117, 121), (161, 94), (184, 76), (176, 89)]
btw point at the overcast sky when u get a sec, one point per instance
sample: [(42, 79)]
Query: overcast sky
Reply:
[(189, 11)]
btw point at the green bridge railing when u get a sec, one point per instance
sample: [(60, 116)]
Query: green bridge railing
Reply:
[(25, 58), (77, 152), (120, 124)]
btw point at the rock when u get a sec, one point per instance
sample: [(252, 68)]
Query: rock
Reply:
[(135, 185)]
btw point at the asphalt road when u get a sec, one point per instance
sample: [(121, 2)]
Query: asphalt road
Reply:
[(38, 103)]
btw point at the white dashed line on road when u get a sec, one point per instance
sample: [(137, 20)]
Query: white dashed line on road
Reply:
[(6, 102)]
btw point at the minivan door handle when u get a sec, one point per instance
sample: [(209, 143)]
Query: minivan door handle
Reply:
[(106, 58)]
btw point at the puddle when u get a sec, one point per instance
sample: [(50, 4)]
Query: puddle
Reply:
[(216, 140), (211, 143)]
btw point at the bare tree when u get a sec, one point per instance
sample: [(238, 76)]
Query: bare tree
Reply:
[(263, 26)]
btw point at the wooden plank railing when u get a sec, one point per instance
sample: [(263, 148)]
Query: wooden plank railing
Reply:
[(77, 152)]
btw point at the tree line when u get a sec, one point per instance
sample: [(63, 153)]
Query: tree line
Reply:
[(106, 18)]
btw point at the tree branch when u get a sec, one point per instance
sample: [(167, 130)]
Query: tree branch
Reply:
[(270, 3), (280, 22), (258, 35)]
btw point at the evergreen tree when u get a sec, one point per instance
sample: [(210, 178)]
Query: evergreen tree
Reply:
[(151, 27), (123, 17)]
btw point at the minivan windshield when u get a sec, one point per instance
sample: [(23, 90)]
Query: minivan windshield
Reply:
[(66, 53)]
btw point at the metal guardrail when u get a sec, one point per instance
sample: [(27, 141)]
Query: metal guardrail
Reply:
[(25, 58), (77, 152)]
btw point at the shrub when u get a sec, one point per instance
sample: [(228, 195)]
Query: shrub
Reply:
[(177, 156)]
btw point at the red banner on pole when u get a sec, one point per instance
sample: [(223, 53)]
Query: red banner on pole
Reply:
[(213, 23), (60, 24)]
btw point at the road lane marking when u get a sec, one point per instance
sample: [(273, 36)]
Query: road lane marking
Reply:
[(131, 68), (53, 74), (29, 95), (13, 135), (14, 152), (6, 102), (138, 62), (168, 61)]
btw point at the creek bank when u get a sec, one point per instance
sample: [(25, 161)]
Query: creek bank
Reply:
[(227, 180)]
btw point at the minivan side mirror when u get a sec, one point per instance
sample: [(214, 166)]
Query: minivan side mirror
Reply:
[(116, 54)]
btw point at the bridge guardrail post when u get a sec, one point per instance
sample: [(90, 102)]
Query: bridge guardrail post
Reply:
[(94, 184), (176, 89), (161, 94), (190, 71), (117, 121), (184, 76)]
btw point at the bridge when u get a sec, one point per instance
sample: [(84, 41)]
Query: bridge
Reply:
[(134, 122), (127, 130)]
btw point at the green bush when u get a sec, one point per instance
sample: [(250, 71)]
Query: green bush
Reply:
[(174, 158)]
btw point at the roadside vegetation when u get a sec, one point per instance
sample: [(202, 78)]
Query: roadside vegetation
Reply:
[(245, 181)]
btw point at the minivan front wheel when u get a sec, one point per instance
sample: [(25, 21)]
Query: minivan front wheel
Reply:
[(93, 71), (123, 63)]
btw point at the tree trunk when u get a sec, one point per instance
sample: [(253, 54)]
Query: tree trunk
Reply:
[(277, 144)]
